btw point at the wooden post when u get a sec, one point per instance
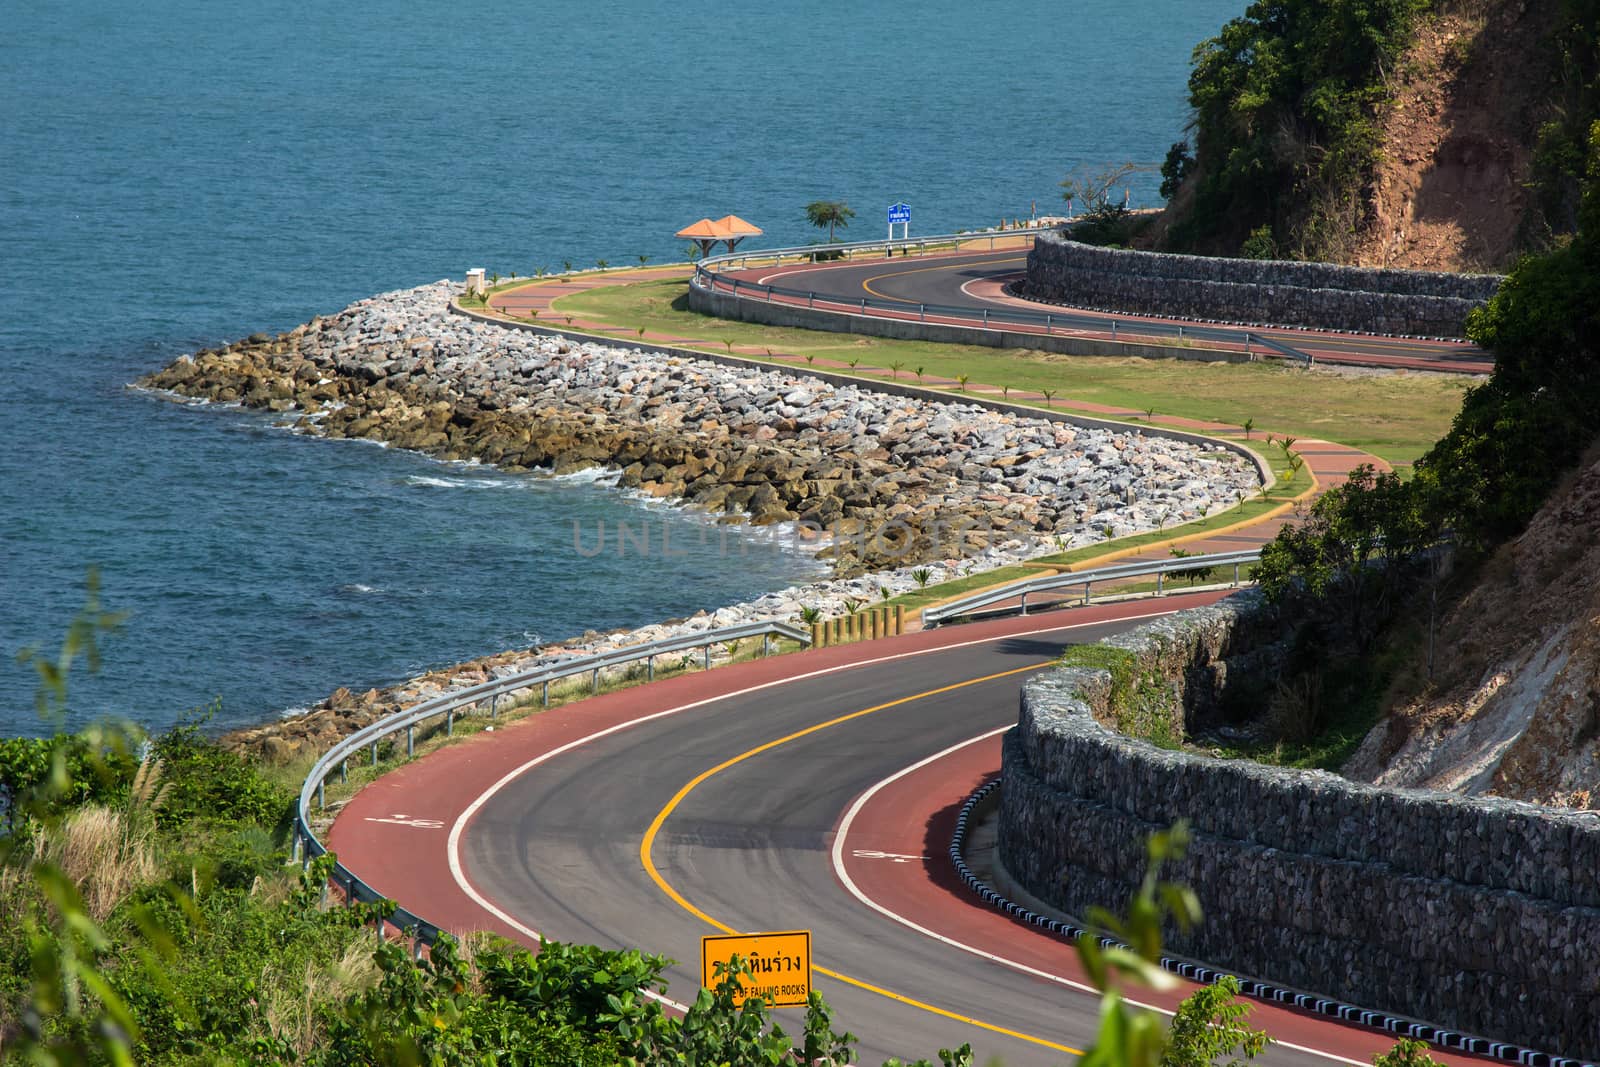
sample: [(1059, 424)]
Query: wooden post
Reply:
[(819, 636), (899, 619)]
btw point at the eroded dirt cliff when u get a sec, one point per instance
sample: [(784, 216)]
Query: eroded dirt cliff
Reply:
[(1458, 138), (1514, 708)]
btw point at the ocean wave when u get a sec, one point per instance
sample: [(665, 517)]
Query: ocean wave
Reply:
[(359, 589), (435, 482), (586, 476)]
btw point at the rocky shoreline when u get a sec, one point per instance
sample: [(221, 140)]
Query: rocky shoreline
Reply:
[(885, 483)]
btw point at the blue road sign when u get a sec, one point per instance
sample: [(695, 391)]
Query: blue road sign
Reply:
[(899, 213)]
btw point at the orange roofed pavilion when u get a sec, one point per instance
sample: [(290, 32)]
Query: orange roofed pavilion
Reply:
[(730, 229)]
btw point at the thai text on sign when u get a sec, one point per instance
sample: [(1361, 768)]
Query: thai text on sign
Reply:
[(779, 963)]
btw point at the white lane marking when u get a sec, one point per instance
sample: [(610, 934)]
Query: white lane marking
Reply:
[(458, 872), (896, 857), (855, 891), (408, 820)]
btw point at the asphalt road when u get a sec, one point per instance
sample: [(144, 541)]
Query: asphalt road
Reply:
[(560, 848), (972, 280)]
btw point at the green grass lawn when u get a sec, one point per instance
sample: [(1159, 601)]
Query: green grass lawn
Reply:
[(1395, 416)]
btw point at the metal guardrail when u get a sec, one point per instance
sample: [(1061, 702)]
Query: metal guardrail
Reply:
[(710, 276), (1020, 592), (337, 759)]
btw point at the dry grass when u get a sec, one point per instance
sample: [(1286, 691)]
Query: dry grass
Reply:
[(291, 1007), (105, 853)]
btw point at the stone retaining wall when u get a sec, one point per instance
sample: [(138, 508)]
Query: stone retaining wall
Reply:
[(1268, 292), (1477, 914)]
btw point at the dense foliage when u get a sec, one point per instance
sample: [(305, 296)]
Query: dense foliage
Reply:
[(1558, 163), (152, 916), (1285, 103), (1516, 436)]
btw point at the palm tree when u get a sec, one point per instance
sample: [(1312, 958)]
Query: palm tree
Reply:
[(829, 213)]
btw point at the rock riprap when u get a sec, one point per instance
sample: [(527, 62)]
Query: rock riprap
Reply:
[(893, 480)]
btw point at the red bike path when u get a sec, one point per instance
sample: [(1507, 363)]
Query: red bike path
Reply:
[(394, 833)]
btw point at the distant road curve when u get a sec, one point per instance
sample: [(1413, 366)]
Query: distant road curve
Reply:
[(977, 280)]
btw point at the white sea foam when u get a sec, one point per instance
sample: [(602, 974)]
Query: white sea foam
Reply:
[(587, 476), (460, 483)]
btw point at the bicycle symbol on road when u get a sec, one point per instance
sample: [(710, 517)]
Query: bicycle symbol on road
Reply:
[(407, 820)]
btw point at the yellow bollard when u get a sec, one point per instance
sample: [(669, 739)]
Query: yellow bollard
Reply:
[(818, 637)]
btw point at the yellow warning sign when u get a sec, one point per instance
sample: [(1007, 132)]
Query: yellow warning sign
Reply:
[(779, 963)]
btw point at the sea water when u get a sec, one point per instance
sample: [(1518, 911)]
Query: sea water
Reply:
[(178, 173)]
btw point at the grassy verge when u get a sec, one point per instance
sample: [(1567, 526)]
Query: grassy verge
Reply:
[(1395, 416), (1291, 483)]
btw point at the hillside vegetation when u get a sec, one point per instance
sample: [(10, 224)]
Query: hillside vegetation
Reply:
[(1439, 135), (1515, 648)]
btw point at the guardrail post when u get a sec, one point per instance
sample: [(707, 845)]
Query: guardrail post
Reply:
[(546, 697), (1159, 576), (1024, 603), (1247, 346), (494, 706), (707, 659), (344, 769), (811, 298), (1113, 329), (594, 681), (450, 723), (650, 668), (1235, 574), (374, 753), (1047, 325), (769, 294), (922, 312), (1086, 592), (298, 844), (986, 316), (766, 645), (320, 800), (863, 305), (736, 287), (411, 742)]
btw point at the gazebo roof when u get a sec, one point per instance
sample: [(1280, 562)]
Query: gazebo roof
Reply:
[(737, 227), (703, 230)]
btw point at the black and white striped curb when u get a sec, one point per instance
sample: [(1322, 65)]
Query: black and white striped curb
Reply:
[(1249, 987)]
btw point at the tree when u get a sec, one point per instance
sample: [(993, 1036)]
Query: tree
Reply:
[(1210, 1024), (1179, 163), (1349, 546), (1407, 1052), (1093, 188), (829, 213)]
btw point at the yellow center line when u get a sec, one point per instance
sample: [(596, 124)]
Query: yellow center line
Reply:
[(867, 285), (647, 846)]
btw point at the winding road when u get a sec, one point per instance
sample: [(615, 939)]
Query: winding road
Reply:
[(765, 796), (975, 280), (811, 791)]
